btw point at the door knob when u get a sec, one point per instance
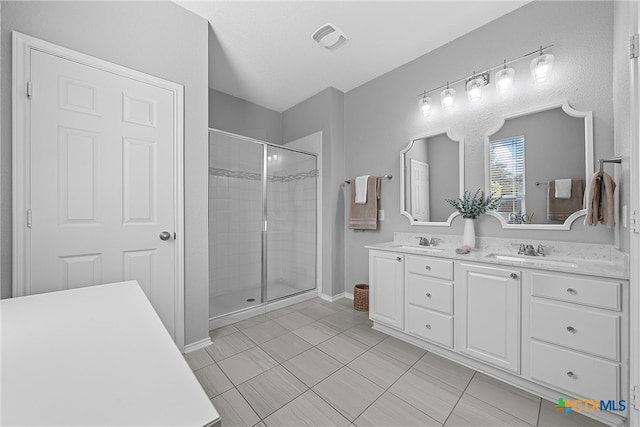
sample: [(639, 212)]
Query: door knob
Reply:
[(165, 235), (513, 275)]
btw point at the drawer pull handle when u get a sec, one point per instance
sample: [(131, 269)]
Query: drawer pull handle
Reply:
[(428, 267), (513, 275), (572, 375), (398, 259), (427, 326), (572, 329), (572, 291), (428, 295)]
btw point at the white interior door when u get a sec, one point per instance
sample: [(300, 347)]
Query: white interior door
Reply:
[(419, 190), (102, 206)]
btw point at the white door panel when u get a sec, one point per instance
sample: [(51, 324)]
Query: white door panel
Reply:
[(419, 190), (102, 181)]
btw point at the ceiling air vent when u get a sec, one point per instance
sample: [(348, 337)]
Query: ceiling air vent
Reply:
[(330, 37)]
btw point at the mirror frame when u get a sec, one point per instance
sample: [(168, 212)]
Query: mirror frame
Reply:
[(413, 139), (588, 154)]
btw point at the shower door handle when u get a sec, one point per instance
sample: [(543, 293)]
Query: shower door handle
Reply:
[(165, 235)]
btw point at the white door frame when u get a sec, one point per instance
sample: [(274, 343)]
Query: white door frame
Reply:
[(634, 237), (21, 138)]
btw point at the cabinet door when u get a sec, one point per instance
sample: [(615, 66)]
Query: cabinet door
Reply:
[(488, 306), (386, 290)]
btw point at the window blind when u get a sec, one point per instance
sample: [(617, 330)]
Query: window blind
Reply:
[(507, 173)]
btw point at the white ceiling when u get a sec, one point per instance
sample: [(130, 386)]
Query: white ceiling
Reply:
[(262, 51)]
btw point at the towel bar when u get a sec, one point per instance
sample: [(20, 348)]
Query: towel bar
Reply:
[(616, 159), (389, 176)]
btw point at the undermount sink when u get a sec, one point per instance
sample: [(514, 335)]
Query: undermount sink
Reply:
[(533, 260), (419, 248)]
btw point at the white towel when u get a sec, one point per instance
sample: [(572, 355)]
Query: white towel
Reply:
[(361, 189), (563, 188)]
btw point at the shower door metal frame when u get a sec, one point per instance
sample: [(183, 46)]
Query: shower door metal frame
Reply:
[(265, 221)]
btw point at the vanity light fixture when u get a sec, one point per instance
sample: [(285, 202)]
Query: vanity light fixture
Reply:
[(425, 105), (504, 78), (447, 97), (475, 84), (541, 67)]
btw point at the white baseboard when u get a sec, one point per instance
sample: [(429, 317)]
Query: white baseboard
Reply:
[(197, 345), (334, 298)]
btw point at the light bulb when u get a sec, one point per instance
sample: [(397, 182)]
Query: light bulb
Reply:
[(425, 105), (541, 67), (447, 97), (474, 89), (504, 79)]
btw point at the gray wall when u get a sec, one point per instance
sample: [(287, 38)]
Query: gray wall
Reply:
[(553, 149), (159, 38), (325, 112), (381, 115), (242, 117)]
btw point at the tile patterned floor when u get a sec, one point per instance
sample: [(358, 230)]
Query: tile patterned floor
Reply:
[(320, 364)]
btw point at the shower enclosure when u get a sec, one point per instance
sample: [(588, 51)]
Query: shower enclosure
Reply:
[(262, 222)]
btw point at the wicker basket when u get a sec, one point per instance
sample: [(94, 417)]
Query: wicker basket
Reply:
[(361, 297)]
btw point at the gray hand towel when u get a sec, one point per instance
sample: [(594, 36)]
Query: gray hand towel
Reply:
[(365, 216), (600, 203)]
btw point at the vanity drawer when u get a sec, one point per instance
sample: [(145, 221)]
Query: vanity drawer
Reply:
[(577, 328), (429, 293), (440, 268), (582, 375), (594, 292), (430, 326)]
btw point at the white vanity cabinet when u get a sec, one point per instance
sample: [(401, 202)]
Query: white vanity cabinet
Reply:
[(429, 299), (386, 288), (488, 301), (552, 333), (576, 329)]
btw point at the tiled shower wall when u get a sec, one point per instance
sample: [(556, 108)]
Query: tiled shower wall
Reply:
[(291, 214), (235, 215), (235, 218)]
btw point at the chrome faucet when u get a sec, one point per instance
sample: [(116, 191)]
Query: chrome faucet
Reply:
[(424, 241), (529, 250)]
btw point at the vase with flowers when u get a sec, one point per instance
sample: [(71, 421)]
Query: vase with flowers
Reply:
[(472, 206)]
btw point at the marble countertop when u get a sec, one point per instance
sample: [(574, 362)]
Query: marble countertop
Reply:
[(566, 257)]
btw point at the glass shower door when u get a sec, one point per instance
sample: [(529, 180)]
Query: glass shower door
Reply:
[(291, 222), (235, 223)]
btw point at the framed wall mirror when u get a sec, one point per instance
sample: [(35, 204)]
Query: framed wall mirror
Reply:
[(540, 161), (431, 170)]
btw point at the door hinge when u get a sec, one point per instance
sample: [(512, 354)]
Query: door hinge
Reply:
[(634, 395), (633, 221), (29, 218), (634, 46), (29, 89)]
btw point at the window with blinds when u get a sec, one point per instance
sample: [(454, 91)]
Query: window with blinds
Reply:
[(506, 172)]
